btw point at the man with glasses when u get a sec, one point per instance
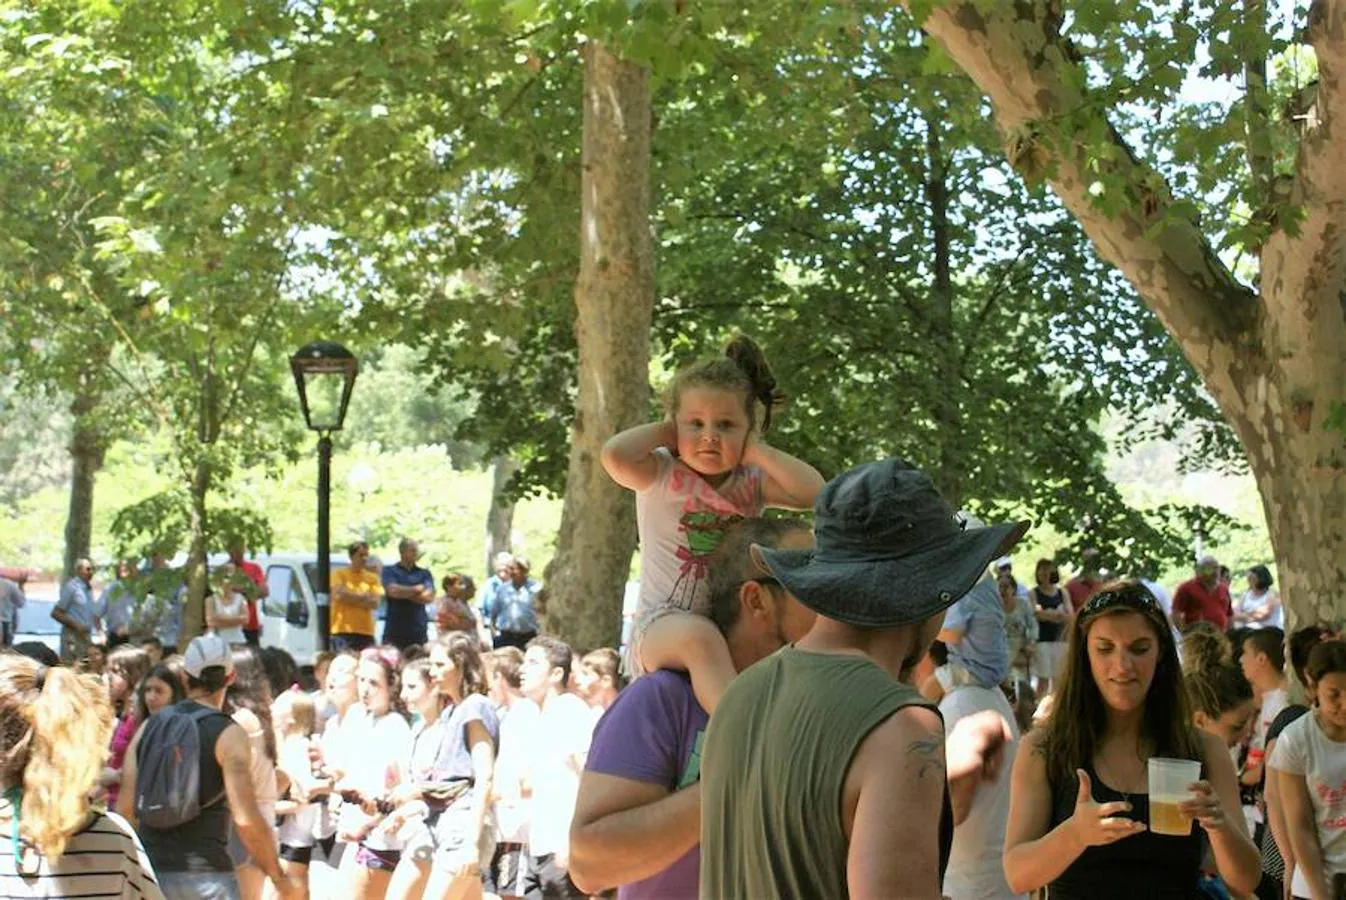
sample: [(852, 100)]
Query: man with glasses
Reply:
[(637, 821)]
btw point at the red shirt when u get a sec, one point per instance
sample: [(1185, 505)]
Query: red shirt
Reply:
[(1081, 589), (254, 573), (1194, 602)]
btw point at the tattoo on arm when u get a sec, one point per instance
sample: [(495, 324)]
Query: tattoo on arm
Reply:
[(930, 754)]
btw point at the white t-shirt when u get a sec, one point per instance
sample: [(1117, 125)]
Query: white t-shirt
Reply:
[(1303, 749), (340, 744), (296, 828), (682, 519), (1272, 703), (379, 748), (975, 870), (105, 859), (1250, 602), (236, 606), (517, 727), (560, 746)]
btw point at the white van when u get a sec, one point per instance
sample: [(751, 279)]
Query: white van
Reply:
[(289, 615)]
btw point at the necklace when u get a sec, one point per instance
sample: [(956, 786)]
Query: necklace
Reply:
[(1112, 783)]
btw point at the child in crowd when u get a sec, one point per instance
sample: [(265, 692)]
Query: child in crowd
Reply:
[(693, 474), (295, 719), (1221, 700), (1277, 857), (126, 667), (374, 767), (598, 679), (161, 687), (1309, 767)]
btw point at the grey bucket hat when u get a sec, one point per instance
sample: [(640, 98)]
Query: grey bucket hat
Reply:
[(889, 549)]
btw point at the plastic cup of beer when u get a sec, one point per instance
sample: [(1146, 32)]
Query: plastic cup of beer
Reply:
[(1170, 781)]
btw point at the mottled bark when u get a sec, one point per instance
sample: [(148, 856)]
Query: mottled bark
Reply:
[(500, 517), (1274, 358), (87, 446), (614, 300)]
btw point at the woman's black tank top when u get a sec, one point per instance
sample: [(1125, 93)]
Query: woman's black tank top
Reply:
[(1145, 865), (1049, 632)]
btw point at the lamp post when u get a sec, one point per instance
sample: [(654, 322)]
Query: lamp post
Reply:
[(324, 372)]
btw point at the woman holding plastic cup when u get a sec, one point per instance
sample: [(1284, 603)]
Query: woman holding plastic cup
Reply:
[(1308, 764), (1095, 788)]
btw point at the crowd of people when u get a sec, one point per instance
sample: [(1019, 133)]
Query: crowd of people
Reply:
[(864, 703)]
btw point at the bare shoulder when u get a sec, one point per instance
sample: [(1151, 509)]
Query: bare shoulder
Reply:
[(913, 737), (232, 746), (1034, 744), (1213, 752)]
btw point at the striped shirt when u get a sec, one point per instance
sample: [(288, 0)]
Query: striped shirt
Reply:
[(104, 860)]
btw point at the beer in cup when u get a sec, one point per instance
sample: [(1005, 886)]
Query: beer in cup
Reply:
[(1169, 788)]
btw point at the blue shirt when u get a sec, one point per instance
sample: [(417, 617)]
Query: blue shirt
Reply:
[(406, 619), (114, 607), (984, 649), (510, 606), (77, 602)]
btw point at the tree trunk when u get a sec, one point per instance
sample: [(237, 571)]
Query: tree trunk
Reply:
[(614, 301), (947, 403), (194, 610), (1274, 358), (86, 458), (500, 517)]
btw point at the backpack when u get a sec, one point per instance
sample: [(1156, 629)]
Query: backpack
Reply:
[(168, 768)]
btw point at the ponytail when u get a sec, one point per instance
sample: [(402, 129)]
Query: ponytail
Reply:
[(54, 730), (1215, 690), (1204, 648), (743, 368), (745, 353)]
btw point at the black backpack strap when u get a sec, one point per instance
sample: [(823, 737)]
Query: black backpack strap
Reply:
[(198, 716)]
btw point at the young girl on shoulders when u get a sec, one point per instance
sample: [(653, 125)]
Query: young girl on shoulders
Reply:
[(694, 475)]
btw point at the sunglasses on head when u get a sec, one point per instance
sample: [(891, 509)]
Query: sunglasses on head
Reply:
[(1129, 596)]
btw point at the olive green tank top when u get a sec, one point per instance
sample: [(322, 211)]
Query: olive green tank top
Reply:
[(772, 770)]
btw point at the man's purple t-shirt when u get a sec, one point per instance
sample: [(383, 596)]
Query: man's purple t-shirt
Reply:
[(653, 733)]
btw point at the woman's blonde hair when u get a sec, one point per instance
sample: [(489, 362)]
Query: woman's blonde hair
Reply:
[(54, 730)]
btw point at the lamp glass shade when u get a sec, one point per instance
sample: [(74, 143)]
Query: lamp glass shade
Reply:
[(324, 372), (324, 391)]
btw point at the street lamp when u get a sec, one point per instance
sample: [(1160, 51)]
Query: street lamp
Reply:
[(324, 372)]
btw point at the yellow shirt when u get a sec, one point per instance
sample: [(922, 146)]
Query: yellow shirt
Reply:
[(351, 618)]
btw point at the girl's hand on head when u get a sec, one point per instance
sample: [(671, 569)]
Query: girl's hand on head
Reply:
[(1097, 824), (752, 446), (1204, 806)]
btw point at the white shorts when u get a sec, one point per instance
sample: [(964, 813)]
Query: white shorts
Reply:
[(1047, 661)]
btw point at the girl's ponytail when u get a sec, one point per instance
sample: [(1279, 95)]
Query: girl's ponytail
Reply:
[(745, 354), (54, 730)]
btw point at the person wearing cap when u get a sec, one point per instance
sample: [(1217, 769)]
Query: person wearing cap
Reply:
[(890, 559), (192, 860)]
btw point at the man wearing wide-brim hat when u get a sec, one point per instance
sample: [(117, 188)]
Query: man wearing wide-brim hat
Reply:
[(823, 772)]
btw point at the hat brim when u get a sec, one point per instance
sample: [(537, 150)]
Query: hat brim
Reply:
[(886, 593)]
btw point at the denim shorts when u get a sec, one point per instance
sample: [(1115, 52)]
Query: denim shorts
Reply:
[(198, 885)]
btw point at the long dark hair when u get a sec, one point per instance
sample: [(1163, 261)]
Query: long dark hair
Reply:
[(131, 663), (252, 692), (165, 674), (1072, 732), (743, 368), (466, 657)]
